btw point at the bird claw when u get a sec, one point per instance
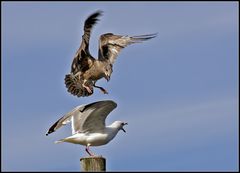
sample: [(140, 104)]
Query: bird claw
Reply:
[(104, 92), (88, 89)]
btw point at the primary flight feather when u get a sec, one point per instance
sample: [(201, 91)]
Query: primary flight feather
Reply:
[(86, 70)]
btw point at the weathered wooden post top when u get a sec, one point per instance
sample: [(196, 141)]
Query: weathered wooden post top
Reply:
[(93, 163)]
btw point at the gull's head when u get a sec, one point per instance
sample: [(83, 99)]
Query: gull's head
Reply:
[(107, 72), (119, 125)]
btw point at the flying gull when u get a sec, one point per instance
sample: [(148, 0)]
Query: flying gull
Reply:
[(86, 70), (88, 125)]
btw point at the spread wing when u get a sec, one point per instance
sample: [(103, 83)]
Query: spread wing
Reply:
[(93, 116), (110, 45), (65, 119), (86, 118), (83, 59)]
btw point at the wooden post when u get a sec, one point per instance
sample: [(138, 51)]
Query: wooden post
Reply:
[(93, 163)]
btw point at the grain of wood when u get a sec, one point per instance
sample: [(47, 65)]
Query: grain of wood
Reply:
[(93, 164)]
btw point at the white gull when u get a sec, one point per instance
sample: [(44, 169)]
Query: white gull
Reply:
[(88, 124)]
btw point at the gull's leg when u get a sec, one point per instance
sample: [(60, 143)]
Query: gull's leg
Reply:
[(101, 88), (87, 88), (88, 150)]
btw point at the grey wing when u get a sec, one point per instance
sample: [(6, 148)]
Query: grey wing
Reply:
[(67, 118), (84, 118), (83, 59), (110, 45), (94, 116)]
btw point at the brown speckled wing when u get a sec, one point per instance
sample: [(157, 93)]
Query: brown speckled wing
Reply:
[(83, 59), (111, 45)]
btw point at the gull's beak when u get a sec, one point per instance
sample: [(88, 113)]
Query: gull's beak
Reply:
[(123, 128)]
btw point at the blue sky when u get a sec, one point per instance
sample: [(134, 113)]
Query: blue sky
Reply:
[(178, 92)]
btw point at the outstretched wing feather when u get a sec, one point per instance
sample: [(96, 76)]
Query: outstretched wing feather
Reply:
[(83, 59), (62, 121), (110, 45)]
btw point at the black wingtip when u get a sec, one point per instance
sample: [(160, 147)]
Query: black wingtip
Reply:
[(52, 129), (92, 20), (100, 12), (48, 132), (95, 15)]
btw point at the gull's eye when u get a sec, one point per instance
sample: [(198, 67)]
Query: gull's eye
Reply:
[(122, 124)]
